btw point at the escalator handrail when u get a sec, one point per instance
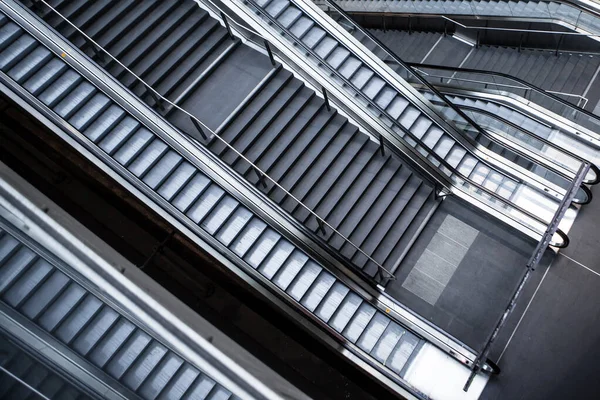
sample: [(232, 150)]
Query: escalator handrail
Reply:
[(514, 78), (405, 65), (163, 99), (588, 193), (516, 150), (543, 140), (407, 132), (419, 68), (433, 89)]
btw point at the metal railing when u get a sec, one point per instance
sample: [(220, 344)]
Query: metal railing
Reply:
[(161, 101), (466, 183), (534, 260), (24, 384)]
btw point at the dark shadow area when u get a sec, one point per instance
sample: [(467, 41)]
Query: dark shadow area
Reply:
[(183, 268)]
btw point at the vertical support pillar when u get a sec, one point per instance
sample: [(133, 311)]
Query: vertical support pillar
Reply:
[(558, 45), (321, 225), (156, 99)]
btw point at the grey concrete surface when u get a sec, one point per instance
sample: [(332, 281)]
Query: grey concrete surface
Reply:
[(482, 279), (553, 352)]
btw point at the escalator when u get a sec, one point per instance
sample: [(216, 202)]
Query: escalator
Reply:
[(161, 169), (95, 331), (269, 117), (442, 148)]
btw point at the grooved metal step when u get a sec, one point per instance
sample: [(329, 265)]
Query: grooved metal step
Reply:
[(280, 124), (108, 340)]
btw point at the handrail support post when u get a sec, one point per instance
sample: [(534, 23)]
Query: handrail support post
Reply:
[(157, 100), (270, 53), (199, 128), (321, 225), (326, 98), (97, 52), (226, 22), (261, 177)]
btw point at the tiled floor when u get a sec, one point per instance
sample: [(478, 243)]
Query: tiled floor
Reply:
[(462, 271), (553, 353)]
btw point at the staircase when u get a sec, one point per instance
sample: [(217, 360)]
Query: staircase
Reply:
[(80, 320), (439, 146), (569, 72), (270, 117), (526, 9)]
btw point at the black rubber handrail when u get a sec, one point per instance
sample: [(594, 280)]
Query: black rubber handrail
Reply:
[(588, 193), (543, 140), (515, 150), (507, 76), (309, 51), (593, 166)]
